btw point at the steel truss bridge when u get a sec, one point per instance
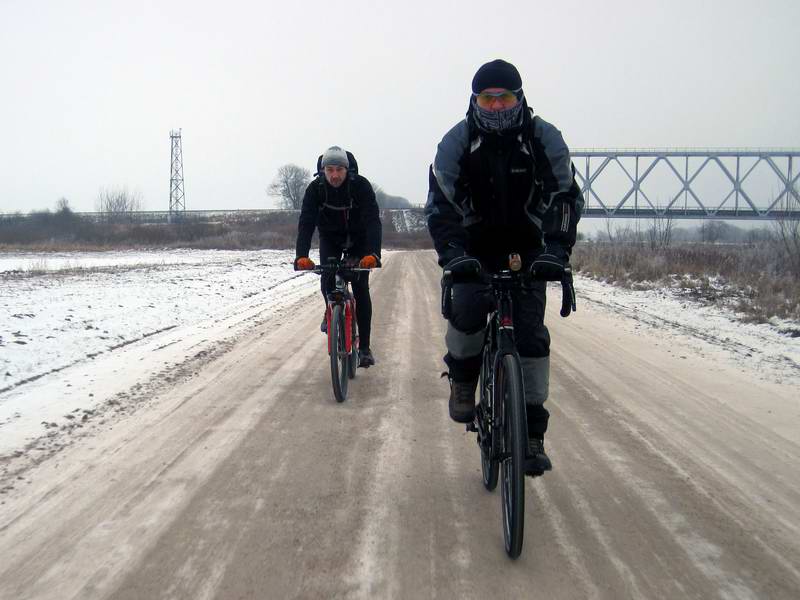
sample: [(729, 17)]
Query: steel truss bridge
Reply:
[(700, 183)]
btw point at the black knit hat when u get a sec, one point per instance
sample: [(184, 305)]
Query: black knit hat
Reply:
[(496, 74)]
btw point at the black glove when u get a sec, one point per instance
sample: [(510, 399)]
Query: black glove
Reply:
[(568, 305), (463, 266), (551, 264)]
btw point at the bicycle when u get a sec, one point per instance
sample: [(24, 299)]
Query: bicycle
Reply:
[(500, 418), (342, 327)]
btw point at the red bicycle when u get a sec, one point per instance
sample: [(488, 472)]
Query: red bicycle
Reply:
[(342, 327)]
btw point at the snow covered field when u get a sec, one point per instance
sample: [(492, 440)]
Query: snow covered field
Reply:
[(77, 328), (80, 332), (88, 304)]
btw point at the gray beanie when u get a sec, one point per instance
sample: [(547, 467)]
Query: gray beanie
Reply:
[(335, 156)]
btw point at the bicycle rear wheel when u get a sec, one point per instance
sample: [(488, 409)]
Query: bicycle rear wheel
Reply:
[(339, 356), (508, 388), (489, 464)]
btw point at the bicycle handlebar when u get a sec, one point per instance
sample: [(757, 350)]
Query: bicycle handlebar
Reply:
[(334, 268), (568, 305)]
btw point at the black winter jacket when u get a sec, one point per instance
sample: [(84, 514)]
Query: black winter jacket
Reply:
[(493, 194), (347, 216)]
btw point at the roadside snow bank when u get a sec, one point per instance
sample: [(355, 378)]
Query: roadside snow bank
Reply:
[(768, 349)]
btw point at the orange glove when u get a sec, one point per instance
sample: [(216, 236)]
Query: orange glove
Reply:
[(303, 263), (368, 262)]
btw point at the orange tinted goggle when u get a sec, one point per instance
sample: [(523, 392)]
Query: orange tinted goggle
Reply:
[(485, 99)]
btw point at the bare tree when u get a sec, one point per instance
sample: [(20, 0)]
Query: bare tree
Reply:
[(289, 186), (385, 200), (711, 231), (787, 233), (609, 231), (115, 204), (659, 234), (62, 205), (622, 234)]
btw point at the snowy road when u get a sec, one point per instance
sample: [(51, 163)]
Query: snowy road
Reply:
[(236, 475)]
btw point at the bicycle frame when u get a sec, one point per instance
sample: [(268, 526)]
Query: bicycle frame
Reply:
[(342, 295), (502, 318), (499, 342)]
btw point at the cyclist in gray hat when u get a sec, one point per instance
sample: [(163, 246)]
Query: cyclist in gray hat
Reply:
[(341, 204)]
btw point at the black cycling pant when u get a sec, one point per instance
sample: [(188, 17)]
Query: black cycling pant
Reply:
[(468, 311), (360, 284)]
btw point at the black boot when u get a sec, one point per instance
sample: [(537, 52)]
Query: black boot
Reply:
[(462, 400), (538, 461), (365, 358)]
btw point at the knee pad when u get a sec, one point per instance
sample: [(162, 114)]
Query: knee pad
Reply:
[(463, 345), (536, 377)]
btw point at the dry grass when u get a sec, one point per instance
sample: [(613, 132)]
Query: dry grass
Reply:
[(64, 232), (754, 279), (413, 240)]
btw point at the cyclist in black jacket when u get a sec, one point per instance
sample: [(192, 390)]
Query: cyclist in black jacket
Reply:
[(341, 204), (502, 182)]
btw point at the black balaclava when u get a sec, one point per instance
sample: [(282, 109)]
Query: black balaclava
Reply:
[(498, 74)]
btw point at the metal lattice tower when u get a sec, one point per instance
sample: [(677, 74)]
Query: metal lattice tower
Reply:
[(738, 193), (177, 203)]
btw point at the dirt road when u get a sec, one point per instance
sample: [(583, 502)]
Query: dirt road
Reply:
[(247, 480)]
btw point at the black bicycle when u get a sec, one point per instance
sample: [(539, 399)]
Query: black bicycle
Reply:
[(500, 420), (342, 326)]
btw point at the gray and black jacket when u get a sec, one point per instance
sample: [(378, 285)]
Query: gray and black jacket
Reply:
[(493, 194), (346, 216)]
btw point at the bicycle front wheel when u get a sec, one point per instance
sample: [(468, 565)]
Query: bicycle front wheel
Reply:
[(508, 386), (486, 442), (339, 356)]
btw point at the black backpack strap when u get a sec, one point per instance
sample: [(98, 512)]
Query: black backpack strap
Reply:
[(353, 168), (324, 204), (352, 174)]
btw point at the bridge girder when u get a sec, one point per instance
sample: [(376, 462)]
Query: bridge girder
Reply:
[(728, 162)]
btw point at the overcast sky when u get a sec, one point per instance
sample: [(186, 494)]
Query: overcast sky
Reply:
[(90, 90)]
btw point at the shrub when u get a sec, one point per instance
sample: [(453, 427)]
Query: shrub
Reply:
[(757, 276)]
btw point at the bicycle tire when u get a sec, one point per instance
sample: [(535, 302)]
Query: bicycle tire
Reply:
[(338, 355), (490, 466), (508, 379)]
